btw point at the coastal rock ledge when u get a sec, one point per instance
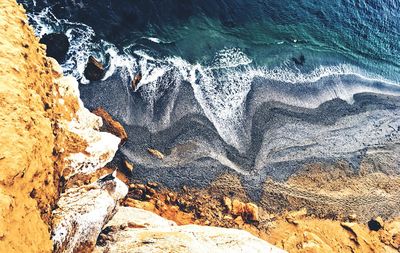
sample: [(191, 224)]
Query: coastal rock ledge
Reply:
[(147, 232), (48, 139)]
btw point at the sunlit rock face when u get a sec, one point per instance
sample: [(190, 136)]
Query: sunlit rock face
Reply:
[(135, 230), (82, 213)]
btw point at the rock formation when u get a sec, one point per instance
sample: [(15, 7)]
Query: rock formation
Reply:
[(136, 81), (152, 234), (156, 153), (57, 45), (29, 140), (82, 212), (94, 70), (110, 125)]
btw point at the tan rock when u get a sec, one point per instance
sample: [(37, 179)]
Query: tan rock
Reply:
[(82, 212), (249, 211), (252, 212), (188, 238), (228, 204), (55, 67), (352, 217), (393, 230), (128, 166), (239, 220), (294, 216), (155, 153), (152, 184), (228, 217), (238, 207)]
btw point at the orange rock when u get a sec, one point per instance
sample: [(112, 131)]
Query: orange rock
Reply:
[(136, 81), (292, 217), (228, 204), (252, 212), (110, 125), (128, 166), (249, 211), (155, 153), (239, 220), (392, 230), (238, 207)]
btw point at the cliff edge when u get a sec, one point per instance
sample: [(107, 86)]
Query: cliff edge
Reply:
[(28, 173), (46, 135)]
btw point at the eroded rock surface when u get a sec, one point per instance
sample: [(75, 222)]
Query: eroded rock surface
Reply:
[(82, 213), (151, 234), (110, 125), (57, 45), (94, 70), (29, 142), (101, 146)]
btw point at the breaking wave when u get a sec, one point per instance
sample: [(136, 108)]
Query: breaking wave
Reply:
[(220, 86)]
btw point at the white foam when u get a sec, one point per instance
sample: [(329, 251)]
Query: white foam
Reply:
[(230, 58), (80, 37), (118, 61), (220, 87), (155, 40)]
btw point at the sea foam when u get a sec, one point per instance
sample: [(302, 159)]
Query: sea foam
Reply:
[(220, 86)]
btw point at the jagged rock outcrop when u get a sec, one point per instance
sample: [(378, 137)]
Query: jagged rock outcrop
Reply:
[(94, 70), (28, 109), (101, 146), (110, 125), (57, 45), (82, 213), (152, 234), (46, 134)]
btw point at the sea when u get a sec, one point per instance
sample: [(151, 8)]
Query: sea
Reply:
[(255, 88)]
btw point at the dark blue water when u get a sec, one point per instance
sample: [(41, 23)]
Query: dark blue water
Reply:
[(363, 33)]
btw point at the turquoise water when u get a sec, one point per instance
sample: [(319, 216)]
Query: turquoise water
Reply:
[(307, 51), (326, 32)]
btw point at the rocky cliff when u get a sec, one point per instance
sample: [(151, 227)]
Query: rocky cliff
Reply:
[(29, 172), (46, 135), (54, 193)]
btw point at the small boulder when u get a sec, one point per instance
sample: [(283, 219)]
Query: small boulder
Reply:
[(352, 217), (294, 216), (238, 207), (136, 80), (252, 212), (128, 166), (94, 70), (228, 204), (153, 185), (55, 67), (110, 125), (375, 224), (155, 153), (57, 45), (248, 211)]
